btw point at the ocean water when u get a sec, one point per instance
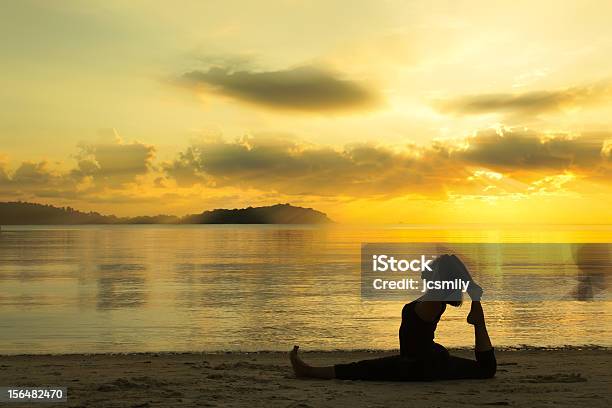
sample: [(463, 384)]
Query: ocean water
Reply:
[(212, 288)]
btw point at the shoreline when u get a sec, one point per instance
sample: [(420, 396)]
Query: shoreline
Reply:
[(521, 347), (529, 377)]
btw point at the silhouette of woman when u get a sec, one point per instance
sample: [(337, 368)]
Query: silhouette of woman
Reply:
[(420, 358)]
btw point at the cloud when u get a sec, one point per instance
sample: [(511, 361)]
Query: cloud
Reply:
[(306, 88), (606, 150), (503, 157), (283, 165), (492, 162), (527, 103), (4, 177), (109, 165), (518, 150), (113, 162), (32, 174), (36, 179)]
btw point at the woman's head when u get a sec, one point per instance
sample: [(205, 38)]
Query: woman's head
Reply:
[(442, 282)]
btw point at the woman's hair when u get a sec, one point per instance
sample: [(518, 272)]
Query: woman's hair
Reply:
[(442, 270)]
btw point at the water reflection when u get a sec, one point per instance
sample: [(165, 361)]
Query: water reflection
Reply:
[(140, 288), (120, 286), (593, 262)]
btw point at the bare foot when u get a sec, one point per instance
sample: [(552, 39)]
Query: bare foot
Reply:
[(300, 368), (476, 315)]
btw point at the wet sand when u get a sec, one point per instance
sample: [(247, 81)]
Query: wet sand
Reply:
[(568, 377)]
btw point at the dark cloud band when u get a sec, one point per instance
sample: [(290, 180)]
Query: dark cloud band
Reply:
[(364, 170), (304, 89), (527, 103), (490, 162)]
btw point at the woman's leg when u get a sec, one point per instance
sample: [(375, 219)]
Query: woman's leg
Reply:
[(459, 368), (482, 342), (485, 364), (301, 369), (393, 368)]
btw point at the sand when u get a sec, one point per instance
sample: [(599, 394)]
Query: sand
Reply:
[(566, 377)]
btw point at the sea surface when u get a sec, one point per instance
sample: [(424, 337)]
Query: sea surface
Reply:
[(73, 289)]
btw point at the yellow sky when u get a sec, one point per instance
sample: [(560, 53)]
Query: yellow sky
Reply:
[(372, 111)]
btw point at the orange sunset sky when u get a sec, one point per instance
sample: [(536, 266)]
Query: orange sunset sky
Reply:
[(371, 111)]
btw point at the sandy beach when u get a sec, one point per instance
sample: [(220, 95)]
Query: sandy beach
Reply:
[(567, 377)]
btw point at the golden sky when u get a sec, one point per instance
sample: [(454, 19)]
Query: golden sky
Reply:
[(371, 111)]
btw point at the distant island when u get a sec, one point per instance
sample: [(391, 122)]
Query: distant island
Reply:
[(24, 213)]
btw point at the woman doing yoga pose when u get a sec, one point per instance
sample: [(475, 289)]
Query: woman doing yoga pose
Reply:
[(420, 358)]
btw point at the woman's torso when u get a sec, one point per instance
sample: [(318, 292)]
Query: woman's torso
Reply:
[(415, 334)]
